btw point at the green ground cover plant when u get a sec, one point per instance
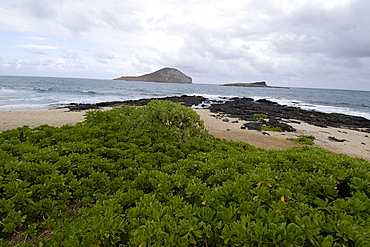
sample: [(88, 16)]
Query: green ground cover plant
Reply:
[(260, 116), (303, 139), (270, 128), (152, 176)]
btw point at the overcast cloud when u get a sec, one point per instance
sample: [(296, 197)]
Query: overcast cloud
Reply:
[(313, 43)]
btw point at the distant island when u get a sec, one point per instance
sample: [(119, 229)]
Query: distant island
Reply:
[(252, 84), (169, 75)]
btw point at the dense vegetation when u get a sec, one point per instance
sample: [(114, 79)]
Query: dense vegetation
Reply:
[(151, 176)]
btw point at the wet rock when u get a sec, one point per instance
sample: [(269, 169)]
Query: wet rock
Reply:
[(319, 124), (183, 100), (253, 126), (276, 124), (265, 101), (332, 138), (244, 108)]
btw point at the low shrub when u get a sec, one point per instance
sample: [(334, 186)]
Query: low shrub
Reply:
[(152, 176)]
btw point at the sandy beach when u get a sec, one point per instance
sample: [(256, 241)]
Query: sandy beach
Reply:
[(356, 144), (57, 118)]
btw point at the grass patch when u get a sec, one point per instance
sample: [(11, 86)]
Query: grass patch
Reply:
[(270, 128), (303, 139), (260, 116)]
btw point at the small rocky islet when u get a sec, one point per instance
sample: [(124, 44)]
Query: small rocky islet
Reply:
[(251, 84)]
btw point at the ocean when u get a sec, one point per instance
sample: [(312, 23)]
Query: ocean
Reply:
[(36, 93)]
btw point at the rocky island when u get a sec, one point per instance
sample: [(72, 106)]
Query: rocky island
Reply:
[(253, 84), (168, 75)]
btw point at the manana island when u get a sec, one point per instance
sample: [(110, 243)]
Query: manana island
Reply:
[(171, 75)]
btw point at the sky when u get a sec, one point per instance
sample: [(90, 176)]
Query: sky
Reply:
[(294, 43)]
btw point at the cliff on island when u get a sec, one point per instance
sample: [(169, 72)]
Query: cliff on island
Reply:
[(253, 84), (169, 75)]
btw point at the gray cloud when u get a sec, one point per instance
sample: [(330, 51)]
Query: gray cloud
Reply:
[(78, 22), (102, 56), (69, 53), (307, 42), (339, 32), (38, 49), (40, 9), (12, 63), (93, 16)]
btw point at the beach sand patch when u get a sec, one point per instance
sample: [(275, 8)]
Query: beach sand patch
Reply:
[(356, 145)]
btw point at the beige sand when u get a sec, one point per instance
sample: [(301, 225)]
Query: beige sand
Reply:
[(357, 144), (231, 131), (57, 118)]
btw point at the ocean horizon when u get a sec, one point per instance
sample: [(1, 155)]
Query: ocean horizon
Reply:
[(40, 93)]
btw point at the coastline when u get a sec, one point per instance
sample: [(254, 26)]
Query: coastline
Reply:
[(356, 144)]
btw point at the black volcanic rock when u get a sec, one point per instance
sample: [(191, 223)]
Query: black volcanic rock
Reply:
[(244, 109), (169, 75), (334, 139), (183, 100), (253, 126)]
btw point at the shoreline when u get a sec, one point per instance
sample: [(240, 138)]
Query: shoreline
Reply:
[(220, 123)]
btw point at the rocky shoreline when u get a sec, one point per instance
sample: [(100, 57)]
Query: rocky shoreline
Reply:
[(229, 119), (245, 108), (183, 100)]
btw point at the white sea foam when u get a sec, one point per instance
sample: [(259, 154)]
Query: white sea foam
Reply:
[(6, 91), (288, 102), (212, 99), (24, 93), (320, 108), (24, 107)]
